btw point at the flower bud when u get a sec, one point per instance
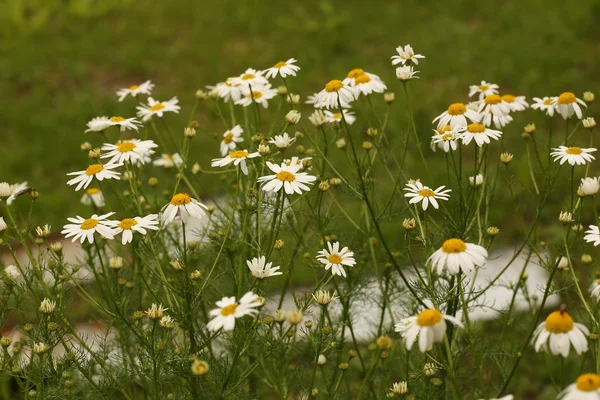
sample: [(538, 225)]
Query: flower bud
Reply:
[(189, 132), (409, 224), (293, 117), (389, 97), (530, 128), (200, 367), (589, 123), (493, 231), (588, 97)]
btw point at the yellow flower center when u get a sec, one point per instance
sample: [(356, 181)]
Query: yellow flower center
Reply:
[(362, 79), (443, 129), (566, 98), (94, 169), (588, 382), (447, 136), (157, 107), (476, 128), (181, 199), (124, 147), (574, 150), (454, 246), (239, 154), (89, 223), (134, 87), (509, 98), (483, 88), (426, 193), (228, 138), (285, 176), (127, 223), (228, 310), (248, 76), (355, 73), (92, 191), (493, 99), (559, 322), (337, 116), (117, 119), (280, 64), (457, 109), (334, 86), (429, 317), (334, 258), (548, 102), (255, 95)]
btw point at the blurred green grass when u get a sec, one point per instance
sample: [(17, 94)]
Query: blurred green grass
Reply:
[(62, 61)]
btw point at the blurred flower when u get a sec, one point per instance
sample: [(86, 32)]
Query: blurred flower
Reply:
[(515, 103), (593, 235), (317, 118), (589, 123), (10, 192), (494, 109), (231, 89), (155, 107), (47, 306), (590, 186), (260, 95), (546, 104), (133, 151), (406, 73), (365, 82), (98, 124), (238, 157), (567, 105), (93, 196), (282, 141), (155, 311), (337, 117), (252, 77), (586, 387), (476, 180), (230, 139), (168, 161), (483, 89), (558, 333), (405, 55), (283, 68), (133, 91)]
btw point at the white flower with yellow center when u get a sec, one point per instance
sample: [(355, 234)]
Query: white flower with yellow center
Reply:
[(364, 82), (405, 55), (282, 141), (134, 90), (10, 192), (337, 117), (567, 105), (336, 92), (237, 157), (184, 205), (593, 235), (573, 155), (98, 124), (124, 123), (546, 104), (495, 111), (406, 73), (558, 333), (251, 77), (455, 256), (168, 161), (230, 139), (333, 258), (228, 310), (429, 326), (590, 186), (595, 286), (260, 269), (439, 131), (479, 133), (98, 171), (231, 89), (483, 89), (283, 68), (445, 139), (417, 193), (137, 224), (83, 229), (516, 103), (586, 387), (259, 94), (286, 177), (158, 108), (456, 116), (93, 196), (133, 151)]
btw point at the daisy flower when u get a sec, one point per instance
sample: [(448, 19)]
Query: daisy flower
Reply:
[(228, 310), (260, 269), (419, 193), (238, 157), (93, 196), (516, 103), (429, 325), (586, 387), (595, 286), (483, 89), (169, 161), (98, 124), (365, 82), (567, 105), (184, 205), (333, 91), (479, 133), (133, 91), (494, 110), (558, 333), (282, 141), (406, 73), (456, 116), (288, 177), (98, 171), (446, 141), (158, 108), (476, 180), (260, 95), (252, 77), (438, 132), (133, 151), (455, 256), (590, 186), (10, 192), (230, 138), (83, 229), (231, 89), (317, 118), (593, 235), (573, 155), (335, 259), (405, 55), (546, 104), (337, 117), (312, 99), (124, 123), (283, 68), (137, 224)]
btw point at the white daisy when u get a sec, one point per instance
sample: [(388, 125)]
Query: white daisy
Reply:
[(455, 256), (479, 133), (158, 108), (516, 103), (124, 123), (282, 141), (547, 104), (288, 177), (406, 73), (169, 161), (93, 196), (590, 186), (558, 333), (476, 180), (237, 157), (419, 193), (253, 78), (574, 155), (302, 162), (133, 151), (335, 259), (231, 89), (283, 68), (184, 205), (98, 171), (10, 192), (483, 89), (133, 91), (328, 97), (405, 55), (260, 269), (228, 310), (593, 235), (447, 140), (365, 82), (317, 118), (567, 105), (586, 387), (456, 116), (595, 286), (438, 132), (429, 325), (137, 224), (230, 138), (312, 99), (494, 110), (260, 95), (98, 124), (337, 117), (83, 229)]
